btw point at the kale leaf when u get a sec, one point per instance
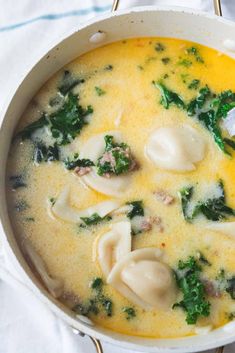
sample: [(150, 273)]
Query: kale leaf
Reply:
[(136, 210), (194, 51), (27, 132), (68, 82), (17, 181), (168, 97), (76, 162), (224, 102), (194, 84), (213, 209), (209, 120), (116, 159), (159, 47), (43, 153), (98, 302), (185, 197), (130, 312), (93, 220), (65, 124), (97, 283), (194, 301), (230, 143), (99, 91), (198, 102), (231, 287)]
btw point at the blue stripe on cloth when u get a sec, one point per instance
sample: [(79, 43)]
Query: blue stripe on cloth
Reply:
[(56, 17)]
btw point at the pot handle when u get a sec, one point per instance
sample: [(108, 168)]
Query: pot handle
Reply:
[(95, 341), (217, 6)]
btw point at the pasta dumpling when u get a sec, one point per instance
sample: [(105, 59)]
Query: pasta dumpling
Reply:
[(227, 228), (175, 148), (143, 278), (93, 149), (62, 208), (112, 246)]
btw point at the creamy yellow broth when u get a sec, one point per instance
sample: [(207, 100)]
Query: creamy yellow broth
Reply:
[(131, 106)]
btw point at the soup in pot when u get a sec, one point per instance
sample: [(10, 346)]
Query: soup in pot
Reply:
[(120, 187)]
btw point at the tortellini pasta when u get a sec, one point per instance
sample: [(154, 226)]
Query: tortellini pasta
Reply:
[(142, 277), (227, 228), (93, 149), (112, 246), (175, 148), (62, 208)]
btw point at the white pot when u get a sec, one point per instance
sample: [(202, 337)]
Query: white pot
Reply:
[(177, 22)]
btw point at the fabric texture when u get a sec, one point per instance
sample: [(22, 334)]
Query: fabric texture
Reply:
[(27, 29)]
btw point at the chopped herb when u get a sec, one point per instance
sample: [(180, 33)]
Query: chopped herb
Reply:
[(116, 159), (107, 305), (76, 162), (184, 77), (185, 197), (194, 51), (99, 91), (94, 219), (27, 132), (198, 102), (97, 303), (130, 312), (136, 210), (203, 259), (165, 76), (159, 47), (52, 200), (21, 206), (30, 219), (17, 181), (194, 84), (97, 283), (166, 60), (168, 97), (89, 307), (230, 143), (231, 316), (57, 100), (185, 62), (140, 67), (194, 301), (42, 153), (108, 67), (65, 124), (68, 82), (231, 287)]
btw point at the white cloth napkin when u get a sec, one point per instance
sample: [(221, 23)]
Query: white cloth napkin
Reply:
[(27, 29)]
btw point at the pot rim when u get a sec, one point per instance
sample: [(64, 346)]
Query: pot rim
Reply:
[(10, 243)]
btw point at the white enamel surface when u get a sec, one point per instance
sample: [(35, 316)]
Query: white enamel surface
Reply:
[(146, 21), (144, 279), (54, 286), (229, 44), (175, 148), (63, 210), (229, 122), (227, 228), (93, 149), (113, 245)]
